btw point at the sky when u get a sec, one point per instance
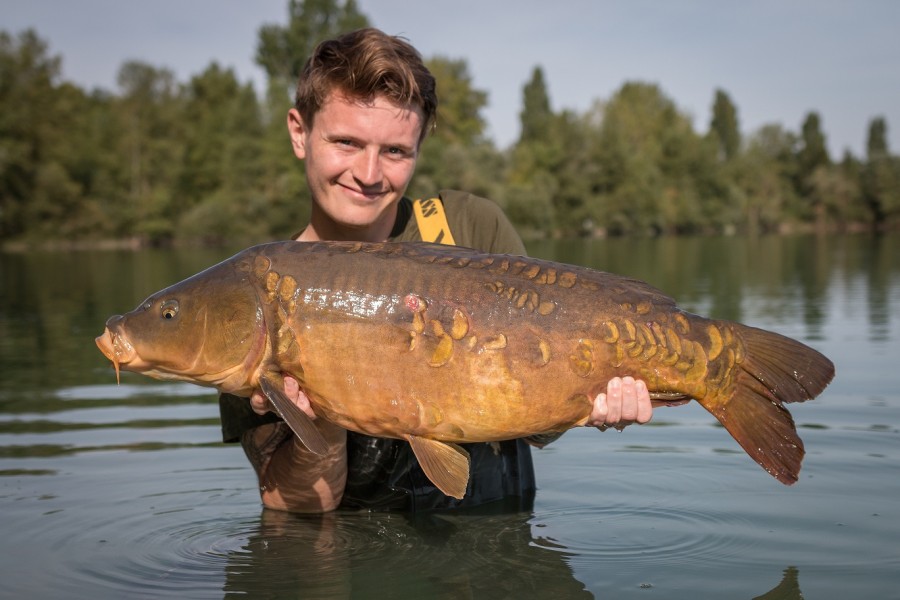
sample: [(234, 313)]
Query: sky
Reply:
[(778, 60)]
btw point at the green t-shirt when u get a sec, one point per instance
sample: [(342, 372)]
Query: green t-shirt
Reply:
[(475, 223)]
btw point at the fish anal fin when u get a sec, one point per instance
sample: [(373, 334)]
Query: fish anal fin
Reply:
[(299, 422), (446, 464)]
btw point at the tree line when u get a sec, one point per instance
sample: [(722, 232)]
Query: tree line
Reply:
[(209, 160)]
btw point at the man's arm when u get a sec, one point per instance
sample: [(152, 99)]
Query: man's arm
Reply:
[(292, 478)]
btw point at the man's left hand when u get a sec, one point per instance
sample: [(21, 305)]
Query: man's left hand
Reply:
[(626, 401)]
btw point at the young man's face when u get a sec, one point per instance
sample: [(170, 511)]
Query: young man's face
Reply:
[(360, 157)]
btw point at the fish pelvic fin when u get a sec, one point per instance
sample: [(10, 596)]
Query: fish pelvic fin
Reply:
[(299, 422), (774, 370), (446, 464)]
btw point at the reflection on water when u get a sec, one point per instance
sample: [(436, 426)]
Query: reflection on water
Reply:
[(395, 556), (456, 556), (126, 490)]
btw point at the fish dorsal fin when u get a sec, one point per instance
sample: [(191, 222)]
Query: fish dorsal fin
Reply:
[(445, 464), (302, 426)]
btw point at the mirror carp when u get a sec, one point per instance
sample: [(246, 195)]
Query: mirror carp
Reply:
[(439, 345)]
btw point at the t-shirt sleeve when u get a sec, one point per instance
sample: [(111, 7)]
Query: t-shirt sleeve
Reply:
[(237, 417)]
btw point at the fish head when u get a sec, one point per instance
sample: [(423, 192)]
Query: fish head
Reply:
[(208, 329)]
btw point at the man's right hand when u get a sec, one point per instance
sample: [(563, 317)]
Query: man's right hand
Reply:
[(261, 405), (292, 478)]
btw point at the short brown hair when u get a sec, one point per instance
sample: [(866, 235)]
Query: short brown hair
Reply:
[(364, 64)]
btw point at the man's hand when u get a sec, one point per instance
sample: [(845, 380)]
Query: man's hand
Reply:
[(261, 405), (291, 477), (626, 401)]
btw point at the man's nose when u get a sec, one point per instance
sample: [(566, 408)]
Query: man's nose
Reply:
[(367, 169)]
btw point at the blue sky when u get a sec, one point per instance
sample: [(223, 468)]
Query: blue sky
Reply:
[(777, 59)]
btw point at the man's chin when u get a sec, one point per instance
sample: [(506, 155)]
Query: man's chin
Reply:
[(362, 217)]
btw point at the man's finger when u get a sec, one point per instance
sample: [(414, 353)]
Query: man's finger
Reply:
[(259, 403), (613, 401), (629, 407), (644, 405)]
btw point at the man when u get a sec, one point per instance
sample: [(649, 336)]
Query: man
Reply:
[(364, 103)]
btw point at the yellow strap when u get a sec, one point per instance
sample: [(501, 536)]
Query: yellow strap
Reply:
[(432, 220)]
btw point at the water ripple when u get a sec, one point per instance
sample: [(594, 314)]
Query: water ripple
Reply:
[(655, 535), (150, 556)]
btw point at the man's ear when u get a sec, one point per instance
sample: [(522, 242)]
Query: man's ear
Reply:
[(298, 131)]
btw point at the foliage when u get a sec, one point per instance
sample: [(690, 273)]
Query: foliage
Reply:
[(160, 160), (282, 50), (880, 176), (724, 126)]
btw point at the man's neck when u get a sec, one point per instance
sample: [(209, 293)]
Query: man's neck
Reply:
[(321, 228)]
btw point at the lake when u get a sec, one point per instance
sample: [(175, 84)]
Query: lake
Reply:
[(113, 491)]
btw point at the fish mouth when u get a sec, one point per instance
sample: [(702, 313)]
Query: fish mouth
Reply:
[(115, 346)]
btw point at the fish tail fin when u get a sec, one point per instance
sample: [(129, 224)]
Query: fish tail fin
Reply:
[(772, 370)]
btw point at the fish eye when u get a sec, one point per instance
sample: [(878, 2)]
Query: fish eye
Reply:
[(169, 309)]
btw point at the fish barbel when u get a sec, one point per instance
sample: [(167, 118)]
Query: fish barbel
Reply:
[(438, 345)]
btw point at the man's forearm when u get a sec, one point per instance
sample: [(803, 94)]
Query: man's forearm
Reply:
[(291, 477)]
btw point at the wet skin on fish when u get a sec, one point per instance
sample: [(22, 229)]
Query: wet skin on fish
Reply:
[(438, 345)]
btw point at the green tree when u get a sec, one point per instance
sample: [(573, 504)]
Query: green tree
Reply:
[(221, 169), (536, 117), (54, 206), (812, 152), (57, 172), (724, 126), (457, 154), (89, 152), (207, 103), (27, 82), (540, 148), (283, 50), (459, 119), (764, 174), (656, 174), (150, 110), (876, 143), (880, 176), (534, 191), (851, 209)]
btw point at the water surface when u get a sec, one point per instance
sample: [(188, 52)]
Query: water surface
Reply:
[(126, 491)]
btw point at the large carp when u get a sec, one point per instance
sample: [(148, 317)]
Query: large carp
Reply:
[(439, 344)]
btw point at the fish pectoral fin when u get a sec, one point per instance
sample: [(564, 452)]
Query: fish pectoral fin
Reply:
[(299, 422), (446, 464)]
